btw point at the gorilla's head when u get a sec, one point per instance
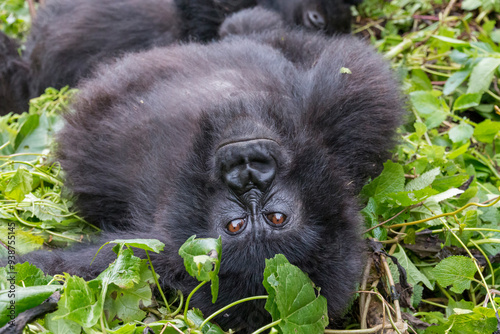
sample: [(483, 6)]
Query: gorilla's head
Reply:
[(331, 16), (266, 186)]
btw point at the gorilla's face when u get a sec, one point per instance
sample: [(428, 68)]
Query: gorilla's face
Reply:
[(330, 16)]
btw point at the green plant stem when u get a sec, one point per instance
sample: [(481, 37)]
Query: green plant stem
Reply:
[(181, 296), (446, 214), (155, 277), (189, 298), (446, 293), (486, 241), (229, 306), (271, 325), (433, 304), (405, 44), (467, 229)]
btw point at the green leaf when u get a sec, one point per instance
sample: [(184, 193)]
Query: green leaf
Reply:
[(20, 185), (81, 300), (467, 101), (30, 275), (407, 198), (486, 131), (391, 180), (461, 133), (124, 271), (482, 75), (16, 300), (414, 276), (125, 303), (455, 80), (457, 271), (151, 245), (451, 41), (202, 260), (420, 128), (293, 298), (423, 180), (425, 102), (471, 4)]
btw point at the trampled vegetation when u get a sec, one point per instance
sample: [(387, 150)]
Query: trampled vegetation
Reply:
[(432, 216)]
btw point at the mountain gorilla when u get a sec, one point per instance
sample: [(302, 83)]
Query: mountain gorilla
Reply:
[(258, 139), (68, 38)]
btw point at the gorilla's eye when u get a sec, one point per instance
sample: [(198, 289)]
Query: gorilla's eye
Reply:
[(235, 225), (276, 218)]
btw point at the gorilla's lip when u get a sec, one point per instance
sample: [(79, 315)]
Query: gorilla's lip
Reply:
[(245, 140)]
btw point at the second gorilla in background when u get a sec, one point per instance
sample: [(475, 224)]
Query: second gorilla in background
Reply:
[(68, 38)]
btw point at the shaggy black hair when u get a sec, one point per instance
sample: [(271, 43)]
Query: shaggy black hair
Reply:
[(13, 76), (69, 38), (157, 138)]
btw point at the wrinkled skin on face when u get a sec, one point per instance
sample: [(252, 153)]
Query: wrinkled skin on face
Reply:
[(260, 140)]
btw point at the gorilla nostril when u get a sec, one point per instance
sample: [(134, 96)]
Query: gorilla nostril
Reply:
[(316, 19), (247, 165)]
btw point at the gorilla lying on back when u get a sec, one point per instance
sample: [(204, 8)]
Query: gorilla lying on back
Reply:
[(260, 140), (68, 38)]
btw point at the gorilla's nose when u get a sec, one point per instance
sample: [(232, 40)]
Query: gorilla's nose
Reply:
[(315, 19), (247, 165)]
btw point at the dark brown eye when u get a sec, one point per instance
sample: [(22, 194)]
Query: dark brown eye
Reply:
[(235, 225), (276, 218)]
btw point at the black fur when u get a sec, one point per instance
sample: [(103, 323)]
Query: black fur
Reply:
[(13, 76), (140, 155), (69, 37)]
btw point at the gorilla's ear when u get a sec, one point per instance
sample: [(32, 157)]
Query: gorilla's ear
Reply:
[(249, 21)]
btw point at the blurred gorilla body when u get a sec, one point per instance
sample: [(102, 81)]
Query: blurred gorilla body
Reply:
[(258, 139), (13, 74), (68, 38)]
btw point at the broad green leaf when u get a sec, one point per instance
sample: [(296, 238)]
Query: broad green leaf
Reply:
[(61, 325), (19, 299), (446, 182), (30, 275), (482, 75), (392, 179), (452, 192), (455, 80), (19, 185), (461, 133), (467, 101), (425, 102), (471, 4), (294, 299), (407, 198), (125, 303), (420, 80), (457, 271), (81, 300), (423, 180), (486, 131), (414, 276), (480, 320), (202, 260), (123, 272)]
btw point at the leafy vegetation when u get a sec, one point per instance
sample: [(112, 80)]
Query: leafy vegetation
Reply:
[(433, 215)]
